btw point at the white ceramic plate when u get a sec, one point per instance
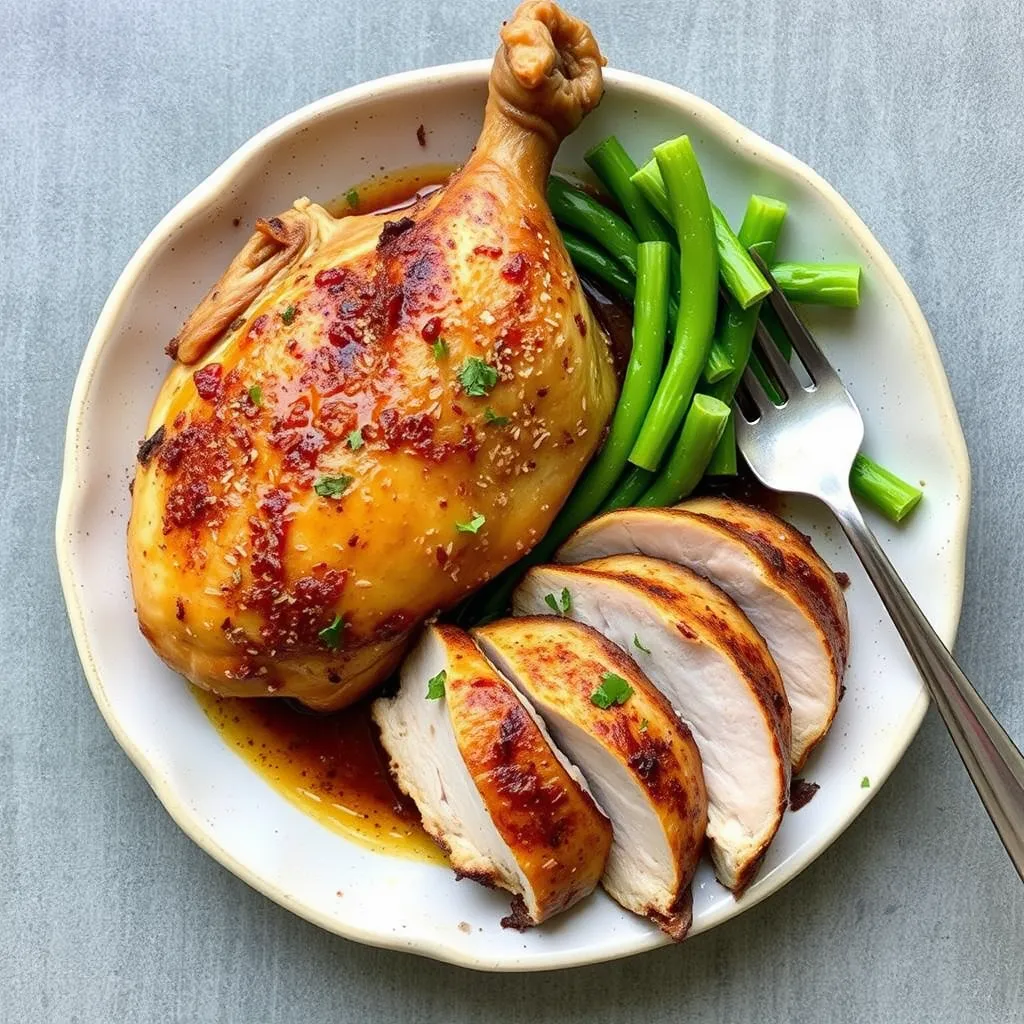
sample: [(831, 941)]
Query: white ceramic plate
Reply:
[(886, 355)]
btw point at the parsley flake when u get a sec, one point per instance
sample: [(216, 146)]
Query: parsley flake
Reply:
[(865, 783), (613, 690), (493, 419), (288, 315), (333, 635), (352, 198), (332, 486), (440, 348), (477, 377), (561, 605), (643, 724), (435, 685), (355, 440), (256, 395), (473, 526), (639, 646)]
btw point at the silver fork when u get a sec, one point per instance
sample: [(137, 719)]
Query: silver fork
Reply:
[(806, 444)]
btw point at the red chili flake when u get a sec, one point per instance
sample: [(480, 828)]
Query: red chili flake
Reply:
[(431, 329), (581, 324), (515, 269), (329, 276), (441, 555), (207, 381), (259, 324), (488, 250), (179, 609)]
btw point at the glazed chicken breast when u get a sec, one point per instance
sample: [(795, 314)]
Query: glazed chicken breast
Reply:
[(706, 658), (492, 790), (639, 759), (369, 416), (788, 593)]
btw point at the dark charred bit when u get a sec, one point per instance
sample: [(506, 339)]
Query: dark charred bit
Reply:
[(149, 447), (171, 348), (646, 761), (519, 919), (677, 924), (843, 579), (179, 609), (842, 692), (484, 878), (392, 229), (801, 793), (421, 136)]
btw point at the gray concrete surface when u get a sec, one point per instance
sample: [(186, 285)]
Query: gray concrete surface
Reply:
[(110, 112)]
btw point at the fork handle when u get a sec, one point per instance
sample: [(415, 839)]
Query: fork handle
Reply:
[(994, 763)]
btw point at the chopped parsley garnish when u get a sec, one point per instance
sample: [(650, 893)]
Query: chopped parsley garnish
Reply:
[(352, 198), (288, 315), (493, 419), (477, 377), (355, 440), (332, 636), (440, 348), (613, 690), (332, 486), (561, 605), (435, 685), (256, 395), (639, 646), (643, 725), (865, 783), (473, 526)]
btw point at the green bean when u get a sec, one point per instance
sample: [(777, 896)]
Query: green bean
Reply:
[(698, 301), (883, 489), (638, 387), (597, 263), (761, 225), (829, 284), (615, 168), (739, 272), (723, 460), (702, 430), (630, 487), (573, 208), (719, 363)]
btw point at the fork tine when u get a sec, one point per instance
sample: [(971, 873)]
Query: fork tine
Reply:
[(778, 363), (820, 369), (756, 393)]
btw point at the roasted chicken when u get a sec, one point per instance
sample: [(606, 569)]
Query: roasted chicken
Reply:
[(369, 416), (640, 760), (700, 650), (769, 569), (505, 805)]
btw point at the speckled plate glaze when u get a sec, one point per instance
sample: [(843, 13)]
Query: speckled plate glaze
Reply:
[(885, 353)]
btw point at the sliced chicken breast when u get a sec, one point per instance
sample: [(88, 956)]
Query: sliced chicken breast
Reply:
[(640, 760), (492, 791), (788, 593), (705, 657)]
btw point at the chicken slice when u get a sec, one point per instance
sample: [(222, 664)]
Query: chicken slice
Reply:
[(641, 762), (493, 792), (768, 569), (714, 668)]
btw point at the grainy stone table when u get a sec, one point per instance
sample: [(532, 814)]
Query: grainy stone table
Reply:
[(110, 112)]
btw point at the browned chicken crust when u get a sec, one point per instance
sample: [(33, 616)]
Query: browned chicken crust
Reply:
[(354, 389)]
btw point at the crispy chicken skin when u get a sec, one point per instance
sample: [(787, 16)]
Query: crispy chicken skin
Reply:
[(490, 786), (640, 760), (338, 403)]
